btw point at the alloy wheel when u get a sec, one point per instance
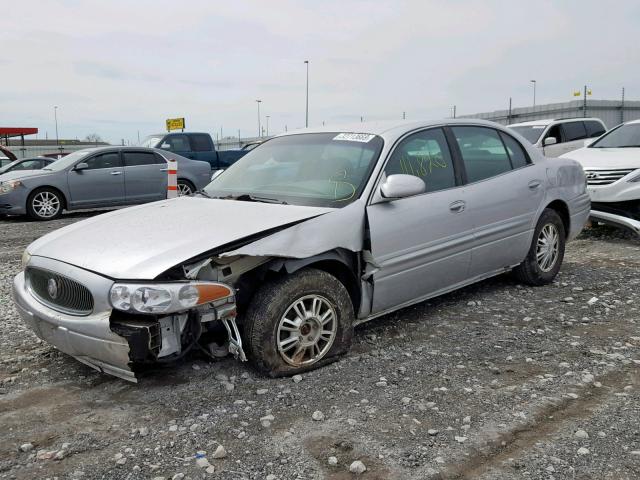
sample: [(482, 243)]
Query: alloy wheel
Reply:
[(46, 204), (548, 247), (307, 330)]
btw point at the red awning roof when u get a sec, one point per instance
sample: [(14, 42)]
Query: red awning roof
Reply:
[(17, 131)]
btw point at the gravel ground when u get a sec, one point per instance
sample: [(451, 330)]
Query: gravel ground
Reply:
[(496, 381)]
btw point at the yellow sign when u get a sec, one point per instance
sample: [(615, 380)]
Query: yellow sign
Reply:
[(575, 94), (175, 124)]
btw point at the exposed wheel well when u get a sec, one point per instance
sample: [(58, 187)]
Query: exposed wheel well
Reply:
[(48, 187), (186, 180), (344, 274), (562, 209)]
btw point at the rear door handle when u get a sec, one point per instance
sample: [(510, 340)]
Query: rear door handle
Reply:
[(164, 169), (457, 206), (116, 173), (533, 184)]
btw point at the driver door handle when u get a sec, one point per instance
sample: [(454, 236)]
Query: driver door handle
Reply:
[(116, 173), (457, 206), (533, 184)]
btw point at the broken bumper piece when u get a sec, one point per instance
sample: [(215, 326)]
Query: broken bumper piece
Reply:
[(616, 220)]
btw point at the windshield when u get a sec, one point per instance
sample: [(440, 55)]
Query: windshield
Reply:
[(316, 169), (530, 132), (68, 160), (151, 141), (623, 136)]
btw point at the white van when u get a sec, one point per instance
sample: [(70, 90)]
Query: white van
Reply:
[(556, 137)]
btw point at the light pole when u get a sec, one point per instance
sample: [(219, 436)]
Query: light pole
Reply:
[(306, 117), (534, 92), (55, 116), (267, 124), (259, 132)]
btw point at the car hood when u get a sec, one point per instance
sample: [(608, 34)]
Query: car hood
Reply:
[(20, 174), (612, 158), (142, 242)]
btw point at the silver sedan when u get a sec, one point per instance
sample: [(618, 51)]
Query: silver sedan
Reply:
[(97, 177), (308, 235)]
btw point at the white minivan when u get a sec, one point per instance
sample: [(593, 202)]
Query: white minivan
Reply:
[(556, 137)]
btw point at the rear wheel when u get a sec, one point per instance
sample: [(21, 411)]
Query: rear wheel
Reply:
[(45, 204), (185, 187), (298, 323), (546, 253)]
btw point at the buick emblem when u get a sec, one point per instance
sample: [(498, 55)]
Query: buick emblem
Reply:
[(52, 288)]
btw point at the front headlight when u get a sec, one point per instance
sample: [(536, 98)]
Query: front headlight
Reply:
[(166, 297), (10, 186), (635, 179), (26, 256)]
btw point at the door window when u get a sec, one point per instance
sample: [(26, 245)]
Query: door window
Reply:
[(516, 152), (554, 132), (29, 165), (483, 153), (425, 155), (201, 142), (134, 159), (594, 129), (574, 131), (104, 160), (176, 143)]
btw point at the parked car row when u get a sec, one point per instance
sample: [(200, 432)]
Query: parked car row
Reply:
[(97, 177), (309, 234)]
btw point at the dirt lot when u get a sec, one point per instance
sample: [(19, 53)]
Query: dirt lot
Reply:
[(497, 381)]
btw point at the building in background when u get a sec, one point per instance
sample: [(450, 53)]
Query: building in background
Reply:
[(611, 112)]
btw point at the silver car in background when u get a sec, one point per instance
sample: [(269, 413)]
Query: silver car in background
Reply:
[(97, 178), (308, 235)]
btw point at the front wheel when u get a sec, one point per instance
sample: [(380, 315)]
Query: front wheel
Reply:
[(44, 204), (298, 322), (546, 253)]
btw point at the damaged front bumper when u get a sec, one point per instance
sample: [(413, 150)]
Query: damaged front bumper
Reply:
[(616, 220), (108, 340), (87, 338)]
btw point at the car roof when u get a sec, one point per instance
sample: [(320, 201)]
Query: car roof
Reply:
[(390, 129), (633, 122), (549, 121)]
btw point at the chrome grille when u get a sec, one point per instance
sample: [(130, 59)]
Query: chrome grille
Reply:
[(59, 292), (606, 177)]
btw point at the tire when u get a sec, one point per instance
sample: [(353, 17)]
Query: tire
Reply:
[(541, 271), (271, 317), (45, 204), (185, 187)]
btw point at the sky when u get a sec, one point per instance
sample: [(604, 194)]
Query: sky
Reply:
[(120, 68)]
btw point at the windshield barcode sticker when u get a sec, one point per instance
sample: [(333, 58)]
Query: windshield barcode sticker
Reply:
[(354, 137)]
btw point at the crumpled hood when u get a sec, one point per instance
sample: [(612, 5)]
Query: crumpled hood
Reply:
[(606, 158), (142, 242)]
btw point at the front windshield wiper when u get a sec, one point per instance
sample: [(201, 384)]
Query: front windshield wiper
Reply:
[(253, 198)]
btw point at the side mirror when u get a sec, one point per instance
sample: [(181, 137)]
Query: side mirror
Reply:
[(165, 146), (401, 186), (81, 166), (550, 141)]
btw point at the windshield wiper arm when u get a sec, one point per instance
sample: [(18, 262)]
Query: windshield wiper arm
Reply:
[(254, 198), (203, 193)]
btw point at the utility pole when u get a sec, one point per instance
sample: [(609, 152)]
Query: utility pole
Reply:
[(138, 137), (534, 92), (239, 142), (509, 115), (268, 124), (306, 116), (404, 115), (55, 115), (454, 111), (622, 107), (259, 131), (584, 100)]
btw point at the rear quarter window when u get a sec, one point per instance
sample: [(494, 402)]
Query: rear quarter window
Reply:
[(574, 131), (594, 129), (201, 143)]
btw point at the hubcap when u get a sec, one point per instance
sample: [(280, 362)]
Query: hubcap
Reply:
[(548, 247), (184, 189), (46, 204), (307, 330)]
